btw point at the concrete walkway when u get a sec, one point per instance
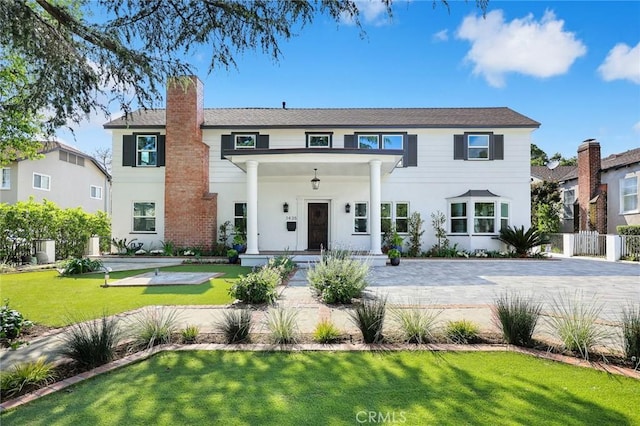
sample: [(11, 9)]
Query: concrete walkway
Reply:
[(457, 288)]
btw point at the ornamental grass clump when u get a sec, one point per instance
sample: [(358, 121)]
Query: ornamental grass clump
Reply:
[(416, 324), (154, 326), (189, 334), (462, 331), (326, 332), (25, 377), (517, 317), (369, 316), (283, 325), (338, 277), (235, 325), (92, 343), (574, 319), (257, 287), (631, 331)]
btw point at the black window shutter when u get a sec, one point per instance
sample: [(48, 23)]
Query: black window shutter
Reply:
[(129, 150), (411, 152), (226, 143), (161, 151), (349, 141), (262, 142), (498, 147), (459, 147)]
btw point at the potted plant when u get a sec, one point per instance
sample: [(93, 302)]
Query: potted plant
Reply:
[(396, 241), (394, 256), (232, 254), (239, 243)]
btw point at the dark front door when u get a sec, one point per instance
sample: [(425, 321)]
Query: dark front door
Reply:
[(318, 220)]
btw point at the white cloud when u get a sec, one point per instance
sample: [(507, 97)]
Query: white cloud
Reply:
[(636, 127), (372, 11), (622, 63), (441, 35), (526, 46)]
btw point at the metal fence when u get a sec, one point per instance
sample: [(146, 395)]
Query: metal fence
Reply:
[(589, 243), (630, 247)]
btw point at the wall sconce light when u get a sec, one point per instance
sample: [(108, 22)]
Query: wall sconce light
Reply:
[(315, 182), (285, 207), (347, 208)]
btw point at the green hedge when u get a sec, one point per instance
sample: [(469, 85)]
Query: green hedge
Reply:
[(628, 229)]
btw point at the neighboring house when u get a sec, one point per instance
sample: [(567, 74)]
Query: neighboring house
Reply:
[(598, 194), (302, 179), (64, 175)]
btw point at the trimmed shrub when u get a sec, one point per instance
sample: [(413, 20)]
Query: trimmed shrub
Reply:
[(12, 322), (628, 229), (338, 278), (257, 287), (326, 332), (92, 343), (631, 331), (415, 323), (462, 331), (27, 376), (283, 324), (517, 317), (235, 325), (283, 264), (189, 334), (368, 316), (574, 320), (153, 326), (80, 266)]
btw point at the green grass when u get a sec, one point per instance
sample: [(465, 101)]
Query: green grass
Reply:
[(47, 299), (241, 388)]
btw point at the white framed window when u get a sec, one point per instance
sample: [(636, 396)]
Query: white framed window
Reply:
[(240, 217), (360, 218), (402, 217), (6, 179), (504, 216), (368, 142), (478, 146), (458, 218), (568, 200), (146, 150), (96, 192), (629, 195), (41, 181), (244, 141), (392, 141), (385, 216), (144, 216), (484, 218), (319, 140)]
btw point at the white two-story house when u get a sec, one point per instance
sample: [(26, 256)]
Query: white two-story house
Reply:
[(302, 179)]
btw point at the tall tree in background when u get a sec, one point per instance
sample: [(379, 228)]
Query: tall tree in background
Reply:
[(131, 47), (103, 155), (540, 158), (546, 206)]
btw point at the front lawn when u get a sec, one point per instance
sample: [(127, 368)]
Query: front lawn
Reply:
[(253, 388), (48, 299)]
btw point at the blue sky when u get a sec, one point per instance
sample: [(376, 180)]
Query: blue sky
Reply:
[(573, 66)]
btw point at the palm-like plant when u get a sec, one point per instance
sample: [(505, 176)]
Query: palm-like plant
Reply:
[(522, 241)]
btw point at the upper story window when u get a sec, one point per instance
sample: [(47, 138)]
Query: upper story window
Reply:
[(478, 146), (368, 142), (144, 217), (41, 182), (568, 200), (360, 218), (381, 141), (629, 195), (96, 192), (6, 179), (147, 150), (244, 141), (318, 140), (392, 141)]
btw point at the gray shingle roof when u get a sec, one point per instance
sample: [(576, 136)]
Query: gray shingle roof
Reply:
[(339, 117), (555, 175)]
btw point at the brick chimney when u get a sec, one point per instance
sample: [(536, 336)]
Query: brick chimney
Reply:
[(190, 210), (592, 195)]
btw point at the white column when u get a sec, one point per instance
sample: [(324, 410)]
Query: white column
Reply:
[(374, 198), (252, 207)]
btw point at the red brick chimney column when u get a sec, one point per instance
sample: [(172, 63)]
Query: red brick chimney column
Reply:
[(588, 181), (190, 210)]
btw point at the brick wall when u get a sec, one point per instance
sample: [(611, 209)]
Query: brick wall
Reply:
[(592, 216), (190, 209)]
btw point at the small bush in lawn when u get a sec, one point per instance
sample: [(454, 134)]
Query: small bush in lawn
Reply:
[(368, 316), (416, 324), (154, 326), (631, 331), (80, 266), (338, 278), (257, 287), (12, 322), (574, 320), (517, 317), (326, 332), (189, 334), (27, 376), (283, 324), (462, 331), (283, 264), (92, 343), (235, 325)]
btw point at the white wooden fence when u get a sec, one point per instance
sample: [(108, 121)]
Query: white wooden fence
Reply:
[(589, 243)]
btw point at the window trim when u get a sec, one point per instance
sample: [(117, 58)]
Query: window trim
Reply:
[(465, 217), (469, 147), (380, 137), (623, 195), (389, 218), (359, 135), (91, 187), (366, 217), (329, 136), (470, 217), (133, 218), (567, 209), (138, 150), (396, 217), (507, 217), (6, 187), (243, 218), (493, 218), (33, 181), (245, 134)]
